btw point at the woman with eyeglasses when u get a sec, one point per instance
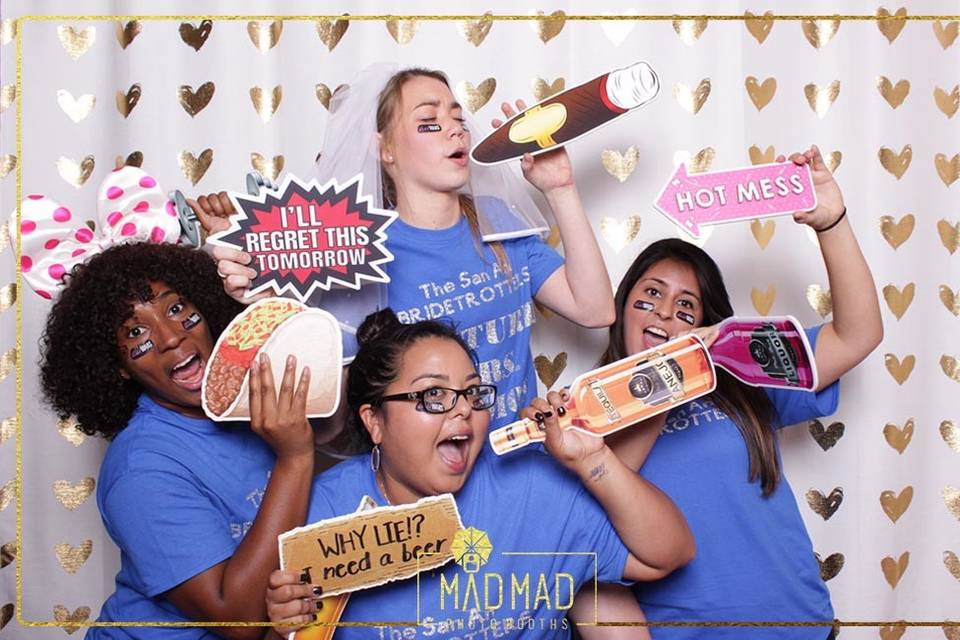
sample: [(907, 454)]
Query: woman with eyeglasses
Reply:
[(416, 397)]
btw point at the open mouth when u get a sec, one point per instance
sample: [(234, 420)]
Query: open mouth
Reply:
[(459, 156), (654, 337), (453, 452), (188, 373)]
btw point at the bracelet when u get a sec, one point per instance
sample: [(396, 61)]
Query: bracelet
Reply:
[(834, 223)]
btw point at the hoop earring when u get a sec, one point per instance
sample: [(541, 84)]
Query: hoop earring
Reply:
[(375, 458)]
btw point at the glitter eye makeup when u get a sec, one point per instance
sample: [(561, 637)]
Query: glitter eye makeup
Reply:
[(644, 305), (428, 128), (686, 317), (141, 349), (192, 320)]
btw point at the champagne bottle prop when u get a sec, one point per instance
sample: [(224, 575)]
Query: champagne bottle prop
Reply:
[(570, 114), (766, 352), (624, 392)]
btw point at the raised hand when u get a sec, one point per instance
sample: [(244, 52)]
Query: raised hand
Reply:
[(281, 420), (829, 197), (546, 171), (213, 211), (290, 604)]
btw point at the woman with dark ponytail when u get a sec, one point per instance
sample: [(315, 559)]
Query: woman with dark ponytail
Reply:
[(717, 457), (416, 397)]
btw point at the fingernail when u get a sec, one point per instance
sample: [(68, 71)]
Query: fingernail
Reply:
[(253, 366), (561, 411), (290, 361), (548, 414), (318, 591), (538, 416)]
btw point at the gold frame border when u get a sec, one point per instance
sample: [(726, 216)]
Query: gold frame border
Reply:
[(18, 22)]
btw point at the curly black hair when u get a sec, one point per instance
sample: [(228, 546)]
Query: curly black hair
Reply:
[(80, 358)]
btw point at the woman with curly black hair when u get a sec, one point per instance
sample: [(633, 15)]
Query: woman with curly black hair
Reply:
[(195, 506)]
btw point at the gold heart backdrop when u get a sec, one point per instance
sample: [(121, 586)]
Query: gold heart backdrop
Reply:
[(201, 100)]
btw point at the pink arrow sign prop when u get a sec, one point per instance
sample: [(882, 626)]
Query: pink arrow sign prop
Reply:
[(740, 194)]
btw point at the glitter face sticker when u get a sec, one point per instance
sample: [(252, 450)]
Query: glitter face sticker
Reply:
[(428, 128), (686, 317), (644, 305), (141, 349), (192, 320)]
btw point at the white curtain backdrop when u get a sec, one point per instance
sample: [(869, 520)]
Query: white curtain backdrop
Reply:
[(898, 426)]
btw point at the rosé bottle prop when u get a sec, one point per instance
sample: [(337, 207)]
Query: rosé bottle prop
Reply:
[(766, 352), (569, 114), (625, 392)]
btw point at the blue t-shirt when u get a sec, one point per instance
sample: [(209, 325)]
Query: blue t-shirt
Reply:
[(177, 495), (524, 503), (754, 558), (441, 274)]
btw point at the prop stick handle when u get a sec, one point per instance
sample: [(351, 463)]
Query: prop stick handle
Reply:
[(519, 434)]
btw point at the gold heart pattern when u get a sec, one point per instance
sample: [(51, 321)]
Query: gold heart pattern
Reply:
[(949, 234), (702, 161), (761, 157), (323, 95), (332, 31), (891, 24), (195, 37), (821, 98), (692, 100), (70, 431), (8, 30), (948, 170), (899, 300), (897, 232), (951, 632), (8, 95), (134, 159), (900, 370), (475, 97), (946, 34), (950, 367), (898, 438), (619, 233), (830, 567), (266, 104), (827, 437), (952, 563), (270, 168), (8, 553), (620, 165), (8, 362), (475, 31), (763, 300), (127, 101), (549, 27), (71, 557), (7, 493), (550, 370), (193, 167), (763, 231), (61, 614), (895, 505), (690, 30), (263, 35), (759, 26), (8, 426), (402, 31), (892, 632), (819, 32), (947, 102), (950, 299), (72, 495), (76, 109), (193, 102), (950, 434), (543, 89), (896, 163), (76, 42), (820, 301), (760, 93), (8, 296), (893, 570), (553, 238), (832, 160), (76, 173), (894, 94), (825, 506), (127, 33)]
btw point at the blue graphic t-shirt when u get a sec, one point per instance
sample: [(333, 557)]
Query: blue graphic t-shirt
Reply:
[(530, 508), (442, 274), (754, 558), (177, 495)]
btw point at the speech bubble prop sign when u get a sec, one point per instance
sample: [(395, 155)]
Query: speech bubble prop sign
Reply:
[(367, 549), (777, 189), (305, 236)]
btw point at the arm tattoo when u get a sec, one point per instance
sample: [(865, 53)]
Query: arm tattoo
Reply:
[(598, 472)]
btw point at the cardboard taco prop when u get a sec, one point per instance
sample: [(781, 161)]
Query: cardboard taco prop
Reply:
[(279, 327)]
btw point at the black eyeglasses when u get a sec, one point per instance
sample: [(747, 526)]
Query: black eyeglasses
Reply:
[(444, 399)]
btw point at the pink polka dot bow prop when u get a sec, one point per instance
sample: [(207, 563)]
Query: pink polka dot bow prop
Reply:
[(131, 207)]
